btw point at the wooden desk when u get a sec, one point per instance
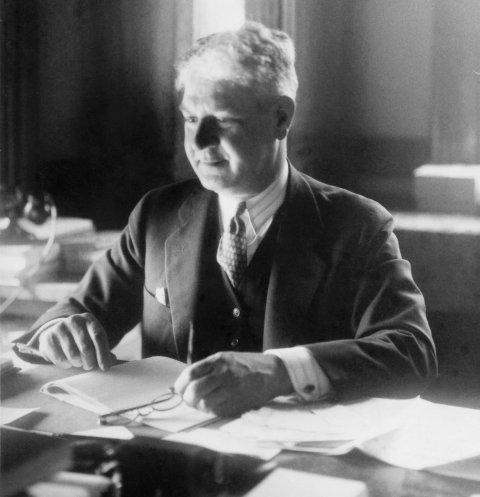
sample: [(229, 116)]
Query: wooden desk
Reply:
[(381, 479)]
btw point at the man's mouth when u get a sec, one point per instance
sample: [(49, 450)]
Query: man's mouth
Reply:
[(212, 162)]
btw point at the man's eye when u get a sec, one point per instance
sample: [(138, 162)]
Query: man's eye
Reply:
[(190, 119), (227, 121)]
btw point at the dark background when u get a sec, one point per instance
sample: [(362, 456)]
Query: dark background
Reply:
[(89, 111)]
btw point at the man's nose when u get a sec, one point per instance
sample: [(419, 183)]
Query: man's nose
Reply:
[(207, 134)]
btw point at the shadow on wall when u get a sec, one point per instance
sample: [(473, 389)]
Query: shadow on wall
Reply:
[(122, 156), (445, 258), (378, 167), (106, 112)]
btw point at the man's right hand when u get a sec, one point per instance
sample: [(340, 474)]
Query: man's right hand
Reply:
[(79, 341)]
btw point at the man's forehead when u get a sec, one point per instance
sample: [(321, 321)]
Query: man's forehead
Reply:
[(225, 94)]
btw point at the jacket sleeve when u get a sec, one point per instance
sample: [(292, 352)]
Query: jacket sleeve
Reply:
[(111, 290), (391, 352)]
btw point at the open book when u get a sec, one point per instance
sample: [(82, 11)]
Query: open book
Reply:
[(128, 385)]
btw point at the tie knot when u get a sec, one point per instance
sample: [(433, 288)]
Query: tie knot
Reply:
[(237, 226), (241, 208)]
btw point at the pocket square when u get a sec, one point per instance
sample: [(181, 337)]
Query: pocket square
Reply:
[(161, 295)]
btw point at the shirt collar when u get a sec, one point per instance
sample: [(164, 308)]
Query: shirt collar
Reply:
[(261, 207)]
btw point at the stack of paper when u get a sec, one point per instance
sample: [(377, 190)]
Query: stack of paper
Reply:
[(21, 261), (435, 434), (321, 427), (223, 442), (412, 433)]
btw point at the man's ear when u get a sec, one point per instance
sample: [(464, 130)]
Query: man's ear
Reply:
[(284, 111)]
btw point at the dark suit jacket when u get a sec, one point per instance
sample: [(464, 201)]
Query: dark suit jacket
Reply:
[(338, 284)]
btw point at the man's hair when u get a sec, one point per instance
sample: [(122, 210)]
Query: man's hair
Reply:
[(253, 56)]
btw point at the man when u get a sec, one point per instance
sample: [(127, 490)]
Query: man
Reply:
[(267, 281)]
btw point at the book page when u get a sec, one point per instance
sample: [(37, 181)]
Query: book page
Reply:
[(128, 385), (10, 414)]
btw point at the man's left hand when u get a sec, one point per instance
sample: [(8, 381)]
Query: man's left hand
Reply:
[(230, 383)]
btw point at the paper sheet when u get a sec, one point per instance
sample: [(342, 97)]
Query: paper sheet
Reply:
[(467, 469), (335, 421), (436, 434), (223, 442), (321, 427), (10, 414), (111, 432), (303, 441)]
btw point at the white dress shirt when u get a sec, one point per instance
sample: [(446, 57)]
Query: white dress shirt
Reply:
[(307, 377)]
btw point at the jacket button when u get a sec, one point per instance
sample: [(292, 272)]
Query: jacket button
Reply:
[(308, 388), (234, 342), (236, 312)]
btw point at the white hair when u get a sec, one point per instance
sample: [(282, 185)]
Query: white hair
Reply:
[(254, 56)]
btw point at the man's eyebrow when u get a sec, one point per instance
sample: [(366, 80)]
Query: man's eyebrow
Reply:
[(227, 110)]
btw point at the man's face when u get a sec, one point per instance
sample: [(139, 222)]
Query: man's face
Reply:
[(230, 141)]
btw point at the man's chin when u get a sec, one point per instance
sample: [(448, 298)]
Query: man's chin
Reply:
[(215, 182)]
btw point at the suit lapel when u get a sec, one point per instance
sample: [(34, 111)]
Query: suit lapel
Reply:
[(296, 273), (297, 267), (182, 260)]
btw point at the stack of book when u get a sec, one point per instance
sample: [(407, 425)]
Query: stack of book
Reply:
[(64, 227), (24, 263), (21, 263), (76, 246)]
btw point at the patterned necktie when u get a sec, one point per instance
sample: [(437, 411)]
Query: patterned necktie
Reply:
[(232, 254)]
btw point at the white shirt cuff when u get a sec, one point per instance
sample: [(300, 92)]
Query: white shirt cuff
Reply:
[(307, 377)]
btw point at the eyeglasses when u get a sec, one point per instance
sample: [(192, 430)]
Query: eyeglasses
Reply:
[(164, 402)]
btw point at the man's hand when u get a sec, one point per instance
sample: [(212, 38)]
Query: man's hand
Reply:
[(229, 383), (78, 341)]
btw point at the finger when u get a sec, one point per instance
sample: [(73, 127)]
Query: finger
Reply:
[(223, 402), (182, 381), (226, 407), (51, 350), (100, 342), (227, 403), (197, 390), (194, 371), (211, 401), (70, 349), (79, 332)]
